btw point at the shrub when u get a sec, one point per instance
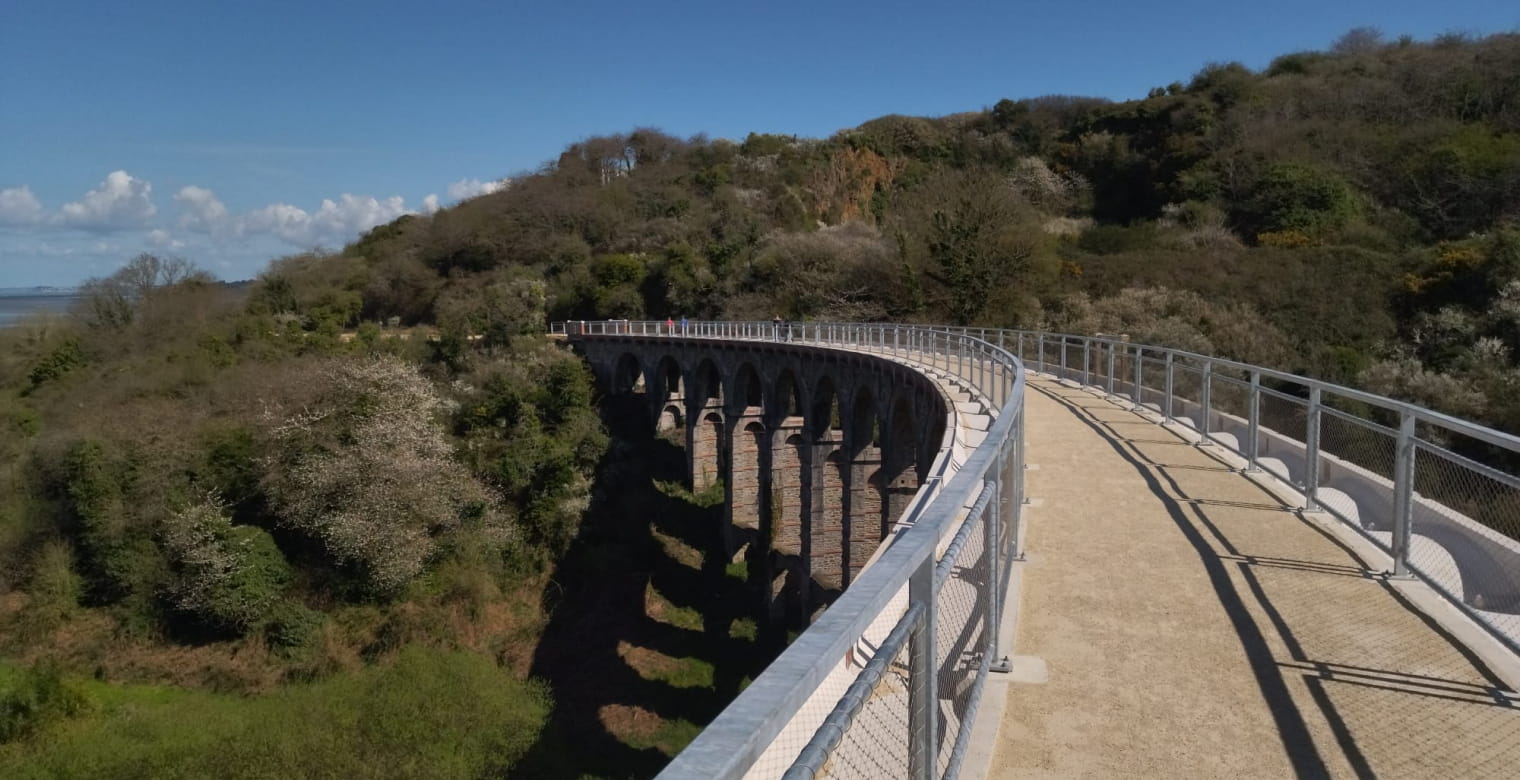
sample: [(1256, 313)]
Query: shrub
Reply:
[(55, 587), (226, 575), (121, 560), (35, 698), (1114, 239), (64, 358), (1297, 197), (292, 625)]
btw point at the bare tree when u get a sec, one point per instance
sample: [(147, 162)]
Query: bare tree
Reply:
[(1358, 40)]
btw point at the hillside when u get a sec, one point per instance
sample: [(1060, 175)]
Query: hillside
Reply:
[(1350, 214), (368, 462)]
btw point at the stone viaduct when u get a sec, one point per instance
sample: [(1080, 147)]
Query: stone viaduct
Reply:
[(818, 451)]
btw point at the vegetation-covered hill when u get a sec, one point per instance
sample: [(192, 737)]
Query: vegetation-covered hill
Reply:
[(367, 464)]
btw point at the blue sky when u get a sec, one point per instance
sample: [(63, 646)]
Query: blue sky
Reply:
[(231, 134)]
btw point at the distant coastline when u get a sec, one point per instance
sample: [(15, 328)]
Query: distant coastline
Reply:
[(18, 303), (40, 291)]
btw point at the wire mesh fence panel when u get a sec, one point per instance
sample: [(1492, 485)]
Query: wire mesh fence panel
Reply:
[(1362, 443), (959, 637), (1486, 495), (784, 749), (1230, 396), (1153, 382), (876, 744), (1187, 388), (1105, 361), (1464, 527), (1074, 360), (1287, 416)]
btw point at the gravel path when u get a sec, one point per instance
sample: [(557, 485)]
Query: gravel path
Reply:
[(1196, 626)]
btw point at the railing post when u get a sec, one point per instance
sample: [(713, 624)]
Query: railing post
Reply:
[(991, 520), (923, 715), (1311, 452), (1403, 493), (1063, 356), (1041, 338), (1204, 402), (1253, 422), (1086, 353), (1137, 395), (1110, 382)]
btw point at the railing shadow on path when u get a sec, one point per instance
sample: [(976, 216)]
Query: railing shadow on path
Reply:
[(1216, 550)]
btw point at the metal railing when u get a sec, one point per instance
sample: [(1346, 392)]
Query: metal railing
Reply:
[(1438, 494), (889, 678)]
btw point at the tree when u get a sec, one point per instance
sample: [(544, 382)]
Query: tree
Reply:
[(1358, 40), (978, 240), (112, 302), (364, 468), (1300, 198)]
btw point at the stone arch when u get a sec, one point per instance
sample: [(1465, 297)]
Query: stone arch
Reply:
[(748, 392), (928, 446), (707, 449), (790, 502), (901, 471), (829, 470), (706, 385), (669, 384), (866, 523), (786, 398), (824, 415), (788, 461), (750, 454), (671, 419), (705, 434), (628, 375), (865, 422)]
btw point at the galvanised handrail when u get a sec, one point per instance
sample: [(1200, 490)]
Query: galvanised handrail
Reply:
[(1470, 509), (987, 490)]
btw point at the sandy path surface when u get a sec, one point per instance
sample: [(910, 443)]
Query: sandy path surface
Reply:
[(1196, 626)]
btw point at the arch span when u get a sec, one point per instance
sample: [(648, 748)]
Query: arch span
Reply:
[(818, 450)]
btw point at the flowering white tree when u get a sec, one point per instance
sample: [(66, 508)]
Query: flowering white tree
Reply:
[(366, 470)]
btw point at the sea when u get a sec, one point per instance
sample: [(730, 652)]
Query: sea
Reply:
[(18, 303)]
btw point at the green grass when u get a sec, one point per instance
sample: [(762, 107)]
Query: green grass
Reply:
[(743, 628), (682, 673), (706, 498), (669, 738), (428, 714), (672, 615)]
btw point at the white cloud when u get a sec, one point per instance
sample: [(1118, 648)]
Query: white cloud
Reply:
[(161, 238), (334, 223), (121, 201), (18, 206), (430, 204), (469, 188), (202, 212)]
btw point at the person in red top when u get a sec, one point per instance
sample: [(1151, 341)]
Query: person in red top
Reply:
[(670, 326)]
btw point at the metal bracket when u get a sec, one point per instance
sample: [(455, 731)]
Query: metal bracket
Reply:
[(1003, 665)]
